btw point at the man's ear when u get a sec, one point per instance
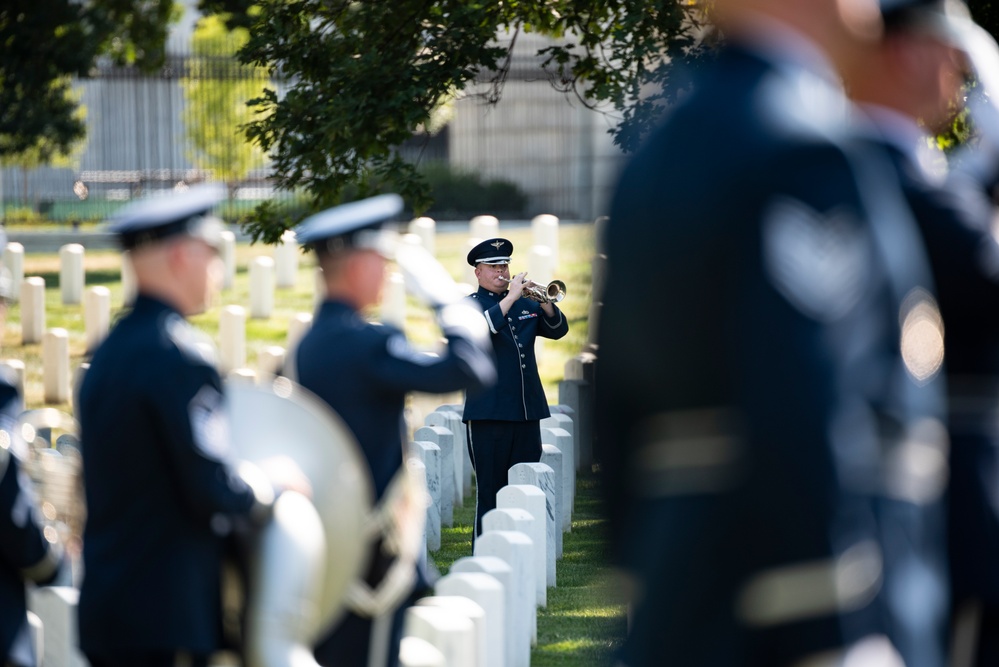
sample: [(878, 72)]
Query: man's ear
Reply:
[(178, 256)]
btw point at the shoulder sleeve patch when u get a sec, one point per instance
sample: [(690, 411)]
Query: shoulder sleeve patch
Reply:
[(194, 344), (210, 424), (399, 347), (819, 262)]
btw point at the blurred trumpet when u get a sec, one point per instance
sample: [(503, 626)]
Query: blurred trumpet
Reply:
[(551, 293)]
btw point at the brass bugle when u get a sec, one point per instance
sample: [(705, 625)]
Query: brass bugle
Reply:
[(551, 293)]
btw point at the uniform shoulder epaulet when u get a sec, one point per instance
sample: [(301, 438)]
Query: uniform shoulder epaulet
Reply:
[(193, 344)]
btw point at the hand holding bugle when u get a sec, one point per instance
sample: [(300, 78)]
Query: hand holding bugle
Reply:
[(553, 292)]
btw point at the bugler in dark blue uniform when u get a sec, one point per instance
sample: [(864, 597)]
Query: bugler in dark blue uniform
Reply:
[(954, 214), (504, 422), (749, 395), (162, 493), (364, 371)]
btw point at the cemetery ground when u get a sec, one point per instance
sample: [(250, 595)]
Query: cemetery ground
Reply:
[(584, 619)]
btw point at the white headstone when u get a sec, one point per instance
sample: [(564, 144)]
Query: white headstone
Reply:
[(444, 439), (232, 338), (544, 231), (576, 391), (452, 422), (13, 260), (286, 254), (461, 442), (32, 310), (261, 287), (483, 227), (515, 548), (551, 456), (564, 421), (393, 309), (96, 315), (517, 650), (298, 326), (55, 365), (540, 265), (129, 288), (534, 500), (451, 632), (469, 608), (426, 229), (269, 361), (486, 591), (418, 472), (227, 253), (565, 473), (543, 477), (430, 455), (56, 607), (515, 518), (71, 274), (416, 652)]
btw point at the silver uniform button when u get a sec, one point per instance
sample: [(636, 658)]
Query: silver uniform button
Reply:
[(523, 366), (522, 356)]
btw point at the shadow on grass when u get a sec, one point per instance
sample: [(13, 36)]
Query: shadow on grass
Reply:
[(584, 622)]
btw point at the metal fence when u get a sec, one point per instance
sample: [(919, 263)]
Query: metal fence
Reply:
[(154, 131)]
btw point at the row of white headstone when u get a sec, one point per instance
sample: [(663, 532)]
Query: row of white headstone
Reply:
[(265, 273), (279, 271), (514, 560)]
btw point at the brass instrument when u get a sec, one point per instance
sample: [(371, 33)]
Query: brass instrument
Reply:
[(551, 293), (307, 567)]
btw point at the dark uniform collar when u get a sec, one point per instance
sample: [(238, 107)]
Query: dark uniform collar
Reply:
[(334, 306), (482, 291), (148, 303)]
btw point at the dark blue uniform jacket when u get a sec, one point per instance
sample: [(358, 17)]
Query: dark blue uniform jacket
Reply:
[(25, 554), (364, 371), (161, 493), (744, 396), (517, 394)]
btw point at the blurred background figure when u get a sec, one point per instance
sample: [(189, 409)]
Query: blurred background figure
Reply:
[(28, 553), (364, 371), (768, 404), (911, 86), (161, 490), (504, 422)]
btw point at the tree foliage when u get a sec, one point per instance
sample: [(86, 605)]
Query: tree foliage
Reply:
[(358, 78), (45, 42), (216, 93)]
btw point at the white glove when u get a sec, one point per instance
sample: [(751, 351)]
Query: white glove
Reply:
[(426, 278)]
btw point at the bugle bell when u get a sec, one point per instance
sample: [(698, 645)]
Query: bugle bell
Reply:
[(553, 292)]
